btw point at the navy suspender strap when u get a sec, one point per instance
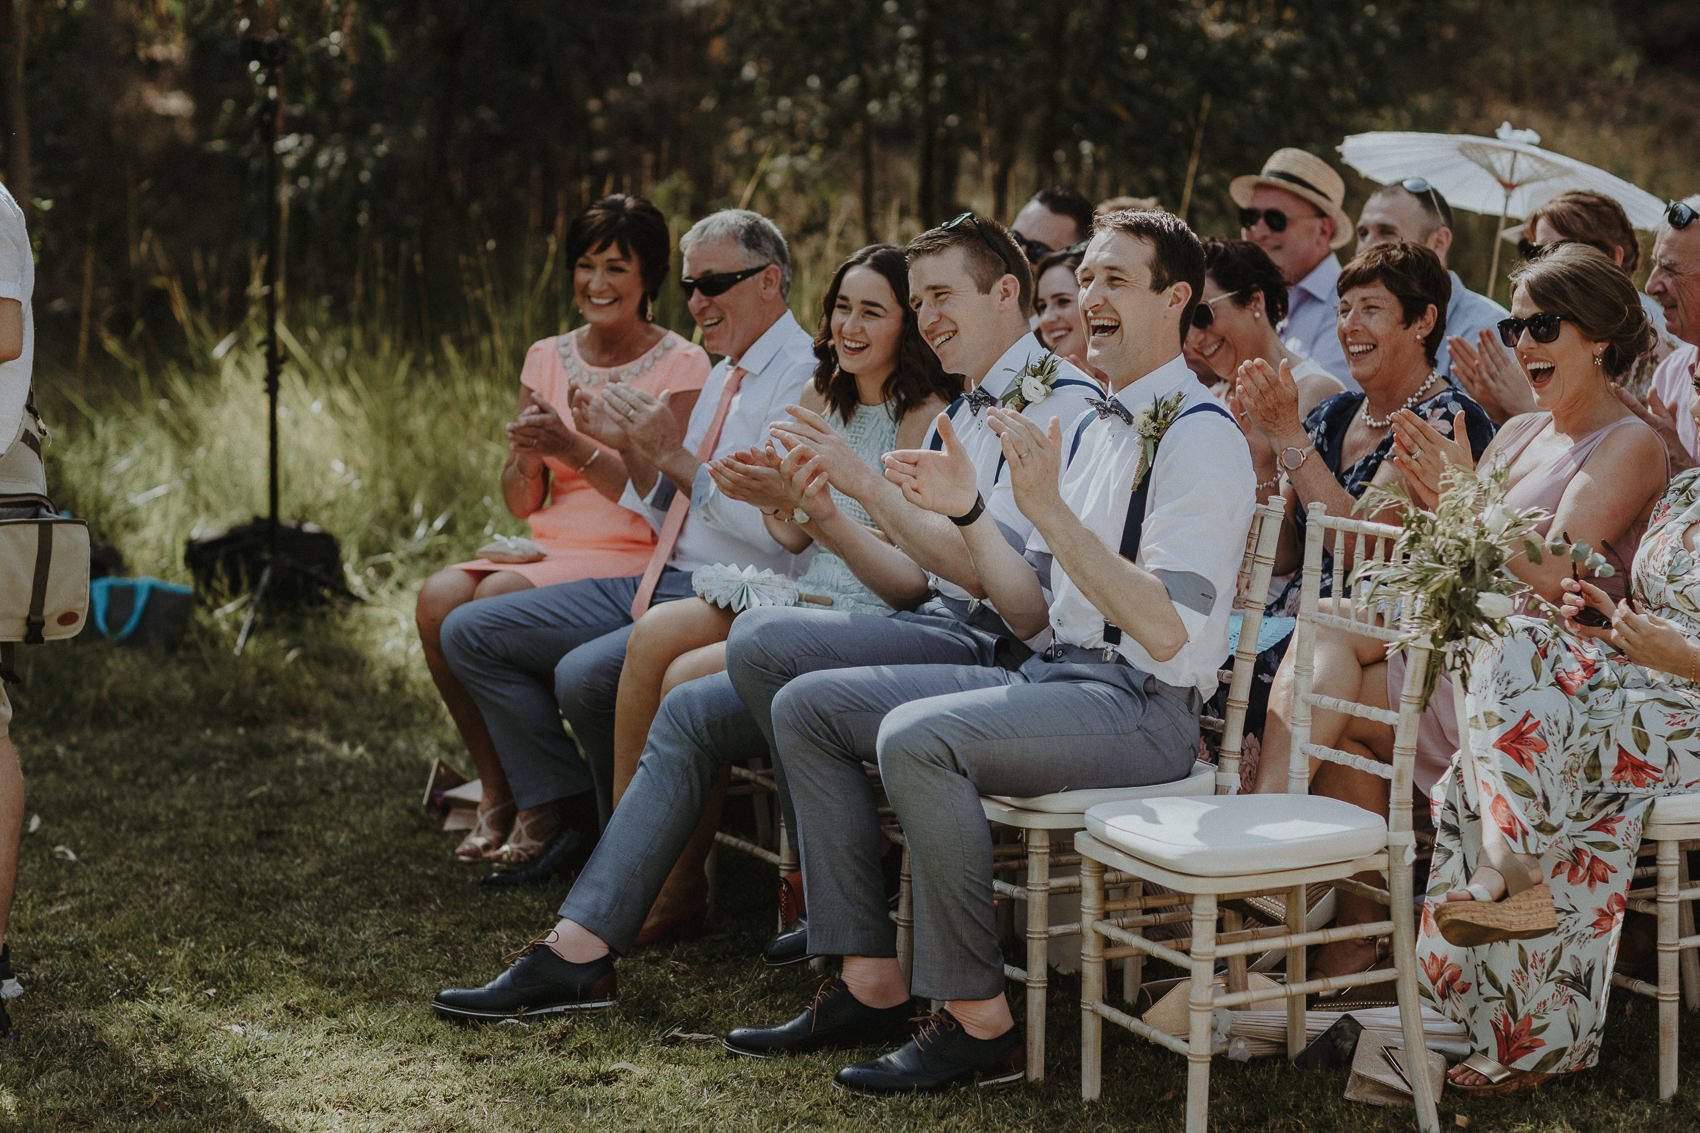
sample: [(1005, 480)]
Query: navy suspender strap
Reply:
[(936, 441), (1133, 529), (1086, 419)]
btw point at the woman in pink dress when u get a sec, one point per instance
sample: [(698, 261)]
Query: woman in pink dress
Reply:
[(565, 485)]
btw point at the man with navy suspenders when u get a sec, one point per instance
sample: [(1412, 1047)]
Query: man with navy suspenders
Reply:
[(1142, 539)]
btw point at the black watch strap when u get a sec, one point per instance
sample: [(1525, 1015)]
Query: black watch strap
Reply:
[(972, 514)]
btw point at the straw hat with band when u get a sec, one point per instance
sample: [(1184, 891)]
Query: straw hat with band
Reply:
[(1303, 175)]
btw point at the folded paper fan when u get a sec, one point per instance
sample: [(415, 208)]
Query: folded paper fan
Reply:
[(742, 588), (512, 549)]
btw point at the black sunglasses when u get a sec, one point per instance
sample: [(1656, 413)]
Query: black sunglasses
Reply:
[(1418, 187), (719, 283), (1204, 315), (1680, 214), (1528, 249), (1542, 327), (1034, 250), (970, 218), (1274, 219), (1586, 615)]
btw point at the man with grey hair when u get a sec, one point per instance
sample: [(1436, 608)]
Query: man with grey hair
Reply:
[(530, 657), (1675, 283), (1414, 210)]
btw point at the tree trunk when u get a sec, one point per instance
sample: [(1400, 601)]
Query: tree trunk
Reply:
[(14, 115)]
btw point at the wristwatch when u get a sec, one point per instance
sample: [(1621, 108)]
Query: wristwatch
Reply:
[(1292, 459)]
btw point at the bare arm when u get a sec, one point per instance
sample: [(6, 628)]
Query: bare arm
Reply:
[(11, 329)]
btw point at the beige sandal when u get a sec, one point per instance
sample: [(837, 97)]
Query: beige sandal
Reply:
[(1486, 919), (532, 832), (490, 832), (1500, 1079)]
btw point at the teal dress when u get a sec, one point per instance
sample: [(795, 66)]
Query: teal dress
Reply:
[(872, 432)]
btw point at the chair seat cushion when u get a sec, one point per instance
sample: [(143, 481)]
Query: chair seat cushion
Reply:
[(1671, 810), (1222, 835), (1200, 781)]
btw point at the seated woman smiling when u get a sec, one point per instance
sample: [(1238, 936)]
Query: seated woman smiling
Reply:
[(1582, 456)]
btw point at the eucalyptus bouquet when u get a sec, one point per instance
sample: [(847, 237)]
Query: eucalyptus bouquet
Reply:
[(1454, 563)]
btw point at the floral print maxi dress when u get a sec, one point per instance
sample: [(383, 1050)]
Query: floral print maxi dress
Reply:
[(1572, 743)]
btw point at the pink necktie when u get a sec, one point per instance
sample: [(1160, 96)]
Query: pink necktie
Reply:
[(681, 505)]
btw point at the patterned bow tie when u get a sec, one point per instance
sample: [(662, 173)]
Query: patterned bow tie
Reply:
[(979, 399), (1109, 407)]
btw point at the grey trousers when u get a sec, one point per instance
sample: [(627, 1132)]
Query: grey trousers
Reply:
[(526, 657), (942, 736), (701, 725)]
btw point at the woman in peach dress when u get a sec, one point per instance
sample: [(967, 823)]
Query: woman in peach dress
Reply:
[(565, 485)]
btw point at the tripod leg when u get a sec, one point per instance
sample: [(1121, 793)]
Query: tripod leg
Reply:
[(254, 604)]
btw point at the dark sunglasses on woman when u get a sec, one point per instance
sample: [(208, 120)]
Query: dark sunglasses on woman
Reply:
[(1542, 327), (1204, 315), (1274, 219)]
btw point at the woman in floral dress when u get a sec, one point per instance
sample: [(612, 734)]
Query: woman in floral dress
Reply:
[(1574, 732)]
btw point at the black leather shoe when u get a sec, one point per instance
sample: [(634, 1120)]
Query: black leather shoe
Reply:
[(940, 1055), (538, 983), (833, 1020), (789, 947), (564, 856)]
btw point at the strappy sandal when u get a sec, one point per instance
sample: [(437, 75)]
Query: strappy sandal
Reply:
[(532, 832), (1485, 919), (1500, 1079), (490, 832)]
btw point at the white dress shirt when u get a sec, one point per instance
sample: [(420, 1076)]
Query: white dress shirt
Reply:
[(1467, 314), (1313, 320), (1198, 510), (1065, 402), (17, 281), (777, 366)]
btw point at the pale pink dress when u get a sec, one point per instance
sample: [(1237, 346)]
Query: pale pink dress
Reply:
[(586, 534), (1543, 487)]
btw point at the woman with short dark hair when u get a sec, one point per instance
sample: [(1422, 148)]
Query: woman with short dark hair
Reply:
[(565, 485)]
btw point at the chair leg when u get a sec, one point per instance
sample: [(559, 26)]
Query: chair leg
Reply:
[(1133, 967), (1669, 870), (1038, 947), (1201, 1004), (1091, 977), (1402, 913), (905, 916), (1689, 960), (1296, 913)]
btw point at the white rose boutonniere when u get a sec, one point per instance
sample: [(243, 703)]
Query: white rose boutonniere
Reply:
[(1151, 422), (1033, 384)]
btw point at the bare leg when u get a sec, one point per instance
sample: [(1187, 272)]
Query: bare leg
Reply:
[(661, 636), (440, 595), (686, 885), (11, 827), (1348, 667), (876, 981)]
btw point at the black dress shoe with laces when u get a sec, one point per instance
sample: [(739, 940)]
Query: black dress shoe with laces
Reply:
[(789, 947), (538, 983), (564, 856), (833, 1020), (940, 1055)]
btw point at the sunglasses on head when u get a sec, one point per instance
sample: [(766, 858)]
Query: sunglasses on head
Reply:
[(1274, 219), (1680, 214), (985, 238), (1034, 250), (1204, 315), (1418, 187), (1542, 327), (718, 283)]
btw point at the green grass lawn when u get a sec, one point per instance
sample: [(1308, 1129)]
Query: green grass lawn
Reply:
[(257, 914)]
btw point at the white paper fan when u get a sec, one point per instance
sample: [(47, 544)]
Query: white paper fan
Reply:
[(512, 549), (742, 588)]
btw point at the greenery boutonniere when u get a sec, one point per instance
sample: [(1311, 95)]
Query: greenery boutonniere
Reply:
[(1032, 385), (1151, 423)]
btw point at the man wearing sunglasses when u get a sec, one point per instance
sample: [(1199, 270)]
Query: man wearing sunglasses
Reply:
[(1057, 217), (1292, 210), (1414, 210), (1675, 282), (528, 658)]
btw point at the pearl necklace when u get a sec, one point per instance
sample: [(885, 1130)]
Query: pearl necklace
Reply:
[(1382, 423)]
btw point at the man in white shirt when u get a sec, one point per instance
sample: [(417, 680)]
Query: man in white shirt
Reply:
[(1130, 631), (1414, 210), (1675, 283), (530, 657), (1292, 210), (20, 471)]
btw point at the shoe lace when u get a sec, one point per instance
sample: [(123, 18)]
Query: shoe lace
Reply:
[(517, 954), (933, 1029)]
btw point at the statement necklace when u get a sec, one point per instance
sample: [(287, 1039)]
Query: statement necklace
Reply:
[(1383, 422)]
